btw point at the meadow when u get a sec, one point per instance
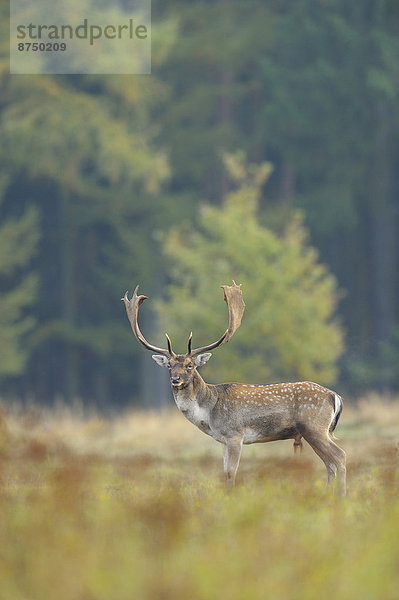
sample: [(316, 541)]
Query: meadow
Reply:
[(133, 507)]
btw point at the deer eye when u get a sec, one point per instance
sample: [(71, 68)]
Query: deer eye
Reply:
[(189, 367)]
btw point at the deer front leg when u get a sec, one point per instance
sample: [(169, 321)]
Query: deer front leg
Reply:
[(231, 458), (224, 458)]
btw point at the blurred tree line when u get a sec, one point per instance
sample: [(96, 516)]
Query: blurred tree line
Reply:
[(102, 180)]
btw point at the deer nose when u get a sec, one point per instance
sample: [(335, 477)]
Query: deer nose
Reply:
[(175, 379)]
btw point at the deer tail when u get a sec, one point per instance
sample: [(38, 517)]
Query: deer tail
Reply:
[(338, 404)]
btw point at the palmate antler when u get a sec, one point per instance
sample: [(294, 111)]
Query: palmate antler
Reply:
[(132, 308), (236, 306), (233, 299)]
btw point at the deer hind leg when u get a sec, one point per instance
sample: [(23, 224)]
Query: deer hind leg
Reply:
[(298, 443), (332, 455), (231, 458), (341, 467)]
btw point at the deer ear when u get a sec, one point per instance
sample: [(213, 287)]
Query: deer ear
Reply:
[(201, 359), (161, 360)]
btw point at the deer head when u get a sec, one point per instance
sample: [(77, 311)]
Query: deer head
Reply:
[(183, 366)]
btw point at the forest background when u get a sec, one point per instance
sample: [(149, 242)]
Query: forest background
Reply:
[(263, 148)]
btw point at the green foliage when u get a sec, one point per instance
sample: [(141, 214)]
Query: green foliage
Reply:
[(18, 245), (82, 150), (311, 86), (111, 161), (212, 74), (288, 330), (321, 109)]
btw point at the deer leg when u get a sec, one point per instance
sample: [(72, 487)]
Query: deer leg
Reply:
[(337, 455), (321, 450), (339, 458), (231, 456), (332, 455), (224, 458), (340, 461), (298, 443)]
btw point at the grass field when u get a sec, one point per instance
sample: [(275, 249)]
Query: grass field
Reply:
[(134, 507)]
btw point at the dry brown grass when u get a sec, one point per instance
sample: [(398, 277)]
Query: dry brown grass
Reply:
[(365, 428), (134, 507)]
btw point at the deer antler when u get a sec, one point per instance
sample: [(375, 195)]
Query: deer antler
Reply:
[(236, 306), (132, 309)]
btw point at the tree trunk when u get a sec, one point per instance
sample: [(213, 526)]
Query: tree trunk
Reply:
[(225, 101), (384, 232), (68, 308)]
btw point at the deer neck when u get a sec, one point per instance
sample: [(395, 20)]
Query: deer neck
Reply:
[(196, 402), (197, 391)]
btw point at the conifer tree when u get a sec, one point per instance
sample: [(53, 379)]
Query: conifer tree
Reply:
[(18, 289), (289, 330)]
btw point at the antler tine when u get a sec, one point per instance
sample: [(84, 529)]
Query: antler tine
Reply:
[(190, 337), (169, 345), (132, 308), (236, 306)]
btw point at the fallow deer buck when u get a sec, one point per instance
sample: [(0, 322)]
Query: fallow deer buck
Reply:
[(237, 413)]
